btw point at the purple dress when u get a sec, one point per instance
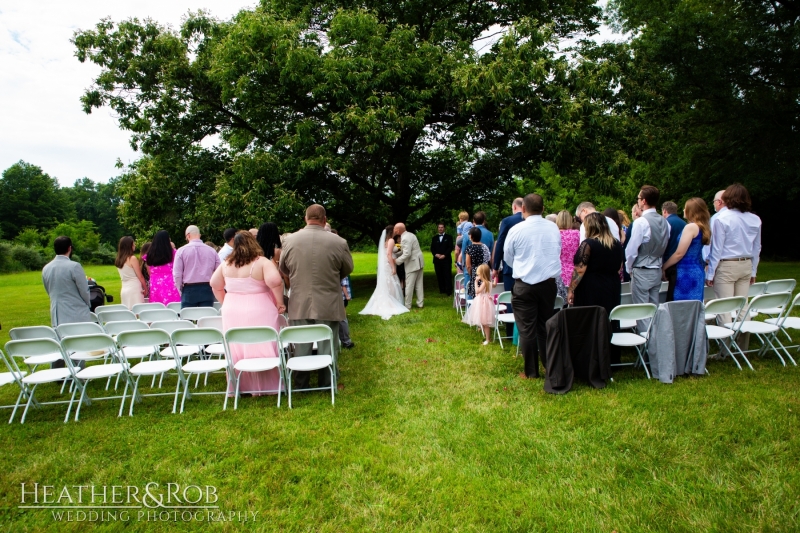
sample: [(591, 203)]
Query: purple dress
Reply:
[(162, 285)]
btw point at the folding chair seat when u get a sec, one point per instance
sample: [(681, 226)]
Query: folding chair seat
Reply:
[(216, 323), (306, 335), (118, 368), (138, 308), (765, 331), (152, 338), (719, 333), (115, 315), (195, 337), (32, 348), (37, 332), (502, 318), (158, 315), (787, 322), (248, 336), (631, 339), (196, 313), (83, 328), (175, 306)]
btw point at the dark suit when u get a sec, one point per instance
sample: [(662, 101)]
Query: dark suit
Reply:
[(497, 262), (443, 267)]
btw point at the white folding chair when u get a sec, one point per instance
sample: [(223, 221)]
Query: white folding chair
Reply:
[(14, 375), (83, 328), (175, 306), (36, 332), (283, 322), (502, 318), (625, 288), (776, 286), (138, 308), (559, 303), (195, 337), (113, 307), (254, 335), (216, 323), (142, 352), (196, 313), (94, 318), (764, 331), (787, 322), (152, 338), (97, 342), (158, 315), (36, 347), (217, 305), (115, 315), (306, 335), (719, 333), (167, 352), (634, 340), (459, 294)]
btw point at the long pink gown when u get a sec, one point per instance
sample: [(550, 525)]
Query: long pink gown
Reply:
[(249, 302)]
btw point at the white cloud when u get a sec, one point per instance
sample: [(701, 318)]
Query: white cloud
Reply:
[(41, 82)]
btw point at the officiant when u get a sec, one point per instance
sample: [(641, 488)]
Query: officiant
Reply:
[(442, 249)]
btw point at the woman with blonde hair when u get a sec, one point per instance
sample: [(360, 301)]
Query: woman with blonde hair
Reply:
[(250, 289), (688, 256), (570, 239)]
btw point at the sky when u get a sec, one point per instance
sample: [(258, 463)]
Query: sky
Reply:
[(41, 82)]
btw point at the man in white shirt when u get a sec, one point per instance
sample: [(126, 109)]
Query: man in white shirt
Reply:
[(645, 251), (719, 207), (533, 251), (585, 208), (227, 249), (735, 248)]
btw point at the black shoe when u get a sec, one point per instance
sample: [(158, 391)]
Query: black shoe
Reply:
[(349, 345)]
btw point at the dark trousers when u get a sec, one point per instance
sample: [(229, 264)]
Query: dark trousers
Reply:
[(508, 284), (444, 274), (533, 307), (672, 278), (197, 296)]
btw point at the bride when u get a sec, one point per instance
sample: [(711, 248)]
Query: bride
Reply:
[(387, 300)]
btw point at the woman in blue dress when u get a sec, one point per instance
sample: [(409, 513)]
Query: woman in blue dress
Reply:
[(689, 255)]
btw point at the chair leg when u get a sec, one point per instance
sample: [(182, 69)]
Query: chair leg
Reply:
[(280, 384), (71, 400), (185, 392), (741, 353), (236, 393), (721, 345), (28, 404), (177, 392), (135, 391), (16, 405), (80, 402), (124, 393), (641, 359), (289, 384), (333, 385)]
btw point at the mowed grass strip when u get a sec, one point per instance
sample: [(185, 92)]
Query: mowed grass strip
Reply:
[(432, 432)]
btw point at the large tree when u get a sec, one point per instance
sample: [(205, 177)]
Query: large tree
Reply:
[(380, 111), (31, 199)]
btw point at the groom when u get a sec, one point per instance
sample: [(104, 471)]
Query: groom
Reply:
[(410, 255)]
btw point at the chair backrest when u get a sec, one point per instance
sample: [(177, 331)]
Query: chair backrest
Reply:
[(725, 305), (559, 304), (788, 312), (498, 289), (283, 322), (196, 337), (146, 337), (633, 312), (115, 328), (115, 315), (218, 305), (175, 306), (33, 332), (158, 315), (251, 335), (94, 317), (172, 325), (113, 307), (664, 286), (40, 346), (625, 288), (196, 313), (459, 278), (138, 308), (305, 335), (626, 299), (79, 328), (756, 289), (780, 285), (504, 298), (210, 322), (88, 343), (768, 301), (12, 366), (709, 294)]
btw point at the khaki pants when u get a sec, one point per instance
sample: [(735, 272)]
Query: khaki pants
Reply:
[(732, 278), (414, 283)]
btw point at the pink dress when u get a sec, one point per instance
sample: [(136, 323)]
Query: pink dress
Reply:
[(249, 302), (162, 285), (570, 240), (481, 310)]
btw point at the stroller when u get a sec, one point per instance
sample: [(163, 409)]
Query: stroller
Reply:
[(97, 295)]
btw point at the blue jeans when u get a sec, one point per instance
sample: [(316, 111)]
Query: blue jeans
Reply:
[(197, 296)]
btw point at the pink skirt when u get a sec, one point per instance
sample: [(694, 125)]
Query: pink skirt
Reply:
[(480, 312)]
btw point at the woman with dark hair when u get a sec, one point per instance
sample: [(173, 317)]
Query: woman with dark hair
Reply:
[(614, 215), (159, 262), (691, 271), (134, 287), (269, 238), (477, 255), (250, 289)]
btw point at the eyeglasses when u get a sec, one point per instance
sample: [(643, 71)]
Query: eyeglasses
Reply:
[(639, 198)]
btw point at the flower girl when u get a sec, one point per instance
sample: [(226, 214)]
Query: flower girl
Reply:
[(481, 310)]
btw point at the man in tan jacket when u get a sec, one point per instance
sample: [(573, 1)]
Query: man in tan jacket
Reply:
[(316, 261), (411, 256)]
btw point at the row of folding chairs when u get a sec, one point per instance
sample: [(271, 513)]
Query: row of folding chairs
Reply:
[(172, 341), (151, 312)]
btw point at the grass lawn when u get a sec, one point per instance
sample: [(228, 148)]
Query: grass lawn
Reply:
[(432, 432)]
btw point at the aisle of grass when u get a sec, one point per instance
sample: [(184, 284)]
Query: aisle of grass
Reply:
[(434, 432)]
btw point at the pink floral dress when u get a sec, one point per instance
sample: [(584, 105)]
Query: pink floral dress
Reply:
[(162, 285), (570, 240)]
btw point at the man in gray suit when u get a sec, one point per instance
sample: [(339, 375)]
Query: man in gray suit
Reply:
[(66, 285), (411, 256), (316, 261)]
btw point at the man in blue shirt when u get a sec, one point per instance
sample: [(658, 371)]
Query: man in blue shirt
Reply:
[(499, 266), (669, 210), (487, 238)]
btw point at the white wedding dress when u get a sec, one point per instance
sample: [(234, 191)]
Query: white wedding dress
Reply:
[(387, 300)]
